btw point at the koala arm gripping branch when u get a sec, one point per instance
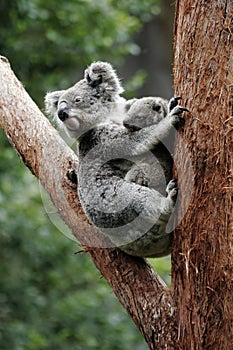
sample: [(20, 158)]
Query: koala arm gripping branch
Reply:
[(143, 140)]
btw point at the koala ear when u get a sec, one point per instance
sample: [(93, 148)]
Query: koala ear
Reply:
[(102, 74), (93, 74), (92, 78), (51, 101), (129, 103)]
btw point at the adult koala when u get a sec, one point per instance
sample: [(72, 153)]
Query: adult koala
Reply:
[(134, 217)]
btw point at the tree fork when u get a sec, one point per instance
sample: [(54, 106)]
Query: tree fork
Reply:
[(199, 313), (140, 290), (202, 275)]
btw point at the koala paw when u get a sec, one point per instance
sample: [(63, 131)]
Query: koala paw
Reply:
[(72, 176), (172, 190), (173, 102), (138, 176), (175, 115), (143, 181)]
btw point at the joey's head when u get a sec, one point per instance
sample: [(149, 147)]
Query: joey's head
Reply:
[(78, 109), (144, 112)]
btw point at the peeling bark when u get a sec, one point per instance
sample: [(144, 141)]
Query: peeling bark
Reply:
[(202, 258)]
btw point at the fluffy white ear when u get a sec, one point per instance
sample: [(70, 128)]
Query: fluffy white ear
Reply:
[(102, 74), (51, 101)]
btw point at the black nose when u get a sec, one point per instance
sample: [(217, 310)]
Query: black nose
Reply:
[(131, 127), (62, 114)]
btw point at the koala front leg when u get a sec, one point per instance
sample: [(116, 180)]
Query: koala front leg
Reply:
[(146, 138), (159, 204), (172, 192), (173, 119)]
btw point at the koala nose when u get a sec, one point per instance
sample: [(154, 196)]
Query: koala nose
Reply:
[(62, 114), (131, 127)]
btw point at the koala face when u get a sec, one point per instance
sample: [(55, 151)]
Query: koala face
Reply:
[(79, 108), (94, 100), (144, 112)]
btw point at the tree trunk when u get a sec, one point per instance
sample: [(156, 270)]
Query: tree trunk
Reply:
[(197, 313), (202, 259)]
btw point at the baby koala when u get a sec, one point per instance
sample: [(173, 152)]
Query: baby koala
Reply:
[(154, 167), (134, 217)]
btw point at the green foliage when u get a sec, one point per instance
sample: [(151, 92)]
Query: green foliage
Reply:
[(49, 43), (163, 266), (134, 83), (51, 298)]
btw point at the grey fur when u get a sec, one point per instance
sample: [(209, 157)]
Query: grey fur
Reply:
[(134, 217), (154, 167)]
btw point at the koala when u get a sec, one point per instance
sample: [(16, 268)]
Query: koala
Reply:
[(102, 89), (154, 167), (134, 217)]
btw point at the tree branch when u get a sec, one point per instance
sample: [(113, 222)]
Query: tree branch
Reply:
[(138, 287)]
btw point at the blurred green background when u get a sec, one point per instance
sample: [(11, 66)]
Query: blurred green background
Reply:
[(51, 298)]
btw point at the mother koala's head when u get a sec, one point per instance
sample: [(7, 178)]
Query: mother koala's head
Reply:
[(88, 103)]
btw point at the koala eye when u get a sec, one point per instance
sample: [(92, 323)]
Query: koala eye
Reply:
[(78, 99), (97, 70), (156, 108)]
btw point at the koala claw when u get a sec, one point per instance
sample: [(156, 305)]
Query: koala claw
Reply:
[(170, 186), (172, 189), (173, 102), (72, 176), (178, 110), (173, 194), (143, 182), (177, 120)]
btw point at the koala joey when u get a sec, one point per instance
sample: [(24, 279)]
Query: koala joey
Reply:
[(134, 217), (154, 167)]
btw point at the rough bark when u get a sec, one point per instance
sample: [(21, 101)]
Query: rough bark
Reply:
[(139, 289), (202, 258), (197, 313)]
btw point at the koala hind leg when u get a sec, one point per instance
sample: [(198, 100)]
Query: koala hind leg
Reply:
[(172, 190)]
